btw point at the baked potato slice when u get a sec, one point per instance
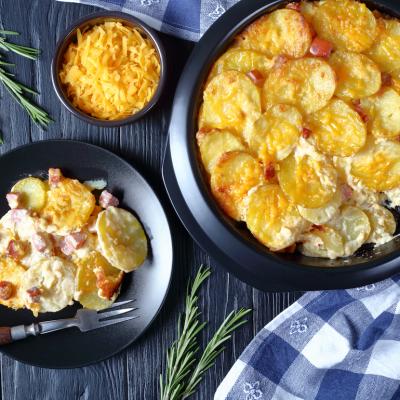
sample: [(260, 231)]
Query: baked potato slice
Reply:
[(281, 32), (337, 129), (357, 75), (242, 60), (231, 101), (121, 238), (309, 180), (272, 218), (320, 216), (377, 165), (235, 173), (212, 144), (383, 224), (322, 241), (97, 282), (275, 134), (306, 83), (386, 49), (347, 24), (68, 206), (383, 110), (354, 226), (33, 192), (53, 278)]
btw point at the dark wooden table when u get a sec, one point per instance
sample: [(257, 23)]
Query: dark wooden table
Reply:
[(133, 374)]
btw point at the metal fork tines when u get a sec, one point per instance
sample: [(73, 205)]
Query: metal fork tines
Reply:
[(89, 319), (84, 319)]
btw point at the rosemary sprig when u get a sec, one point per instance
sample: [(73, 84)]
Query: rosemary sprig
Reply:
[(17, 89), (182, 375), (182, 354), (27, 52), (214, 348)]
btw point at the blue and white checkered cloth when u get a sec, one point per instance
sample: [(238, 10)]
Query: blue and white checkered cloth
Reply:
[(329, 345), (187, 19)]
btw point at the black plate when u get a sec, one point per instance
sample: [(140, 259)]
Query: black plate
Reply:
[(228, 242), (148, 285)]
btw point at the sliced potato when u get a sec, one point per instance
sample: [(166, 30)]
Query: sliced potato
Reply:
[(322, 241), (272, 219), (97, 282), (357, 75), (354, 226), (383, 110), (307, 83), (320, 216), (54, 277), (308, 180), (276, 133), (231, 101), (242, 60), (121, 238), (337, 129), (233, 176), (214, 143), (33, 192), (348, 24), (377, 165), (383, 224), (282, 32), (386, 49), (14, 273), (68, 206)]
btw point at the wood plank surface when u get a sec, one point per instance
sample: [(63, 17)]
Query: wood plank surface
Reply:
[(133, 374)]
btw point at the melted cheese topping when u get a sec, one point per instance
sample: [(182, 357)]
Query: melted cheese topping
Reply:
[(111, 72)]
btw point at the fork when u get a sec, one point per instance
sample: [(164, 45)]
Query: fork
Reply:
[(84, 319)]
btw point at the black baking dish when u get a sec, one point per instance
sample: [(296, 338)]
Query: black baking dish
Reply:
[(230, 243)]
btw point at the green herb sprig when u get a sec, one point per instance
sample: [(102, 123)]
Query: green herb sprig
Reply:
[(16, 89), (184, 371)]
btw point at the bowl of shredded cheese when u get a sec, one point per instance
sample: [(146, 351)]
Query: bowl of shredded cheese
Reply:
[(109, 69)]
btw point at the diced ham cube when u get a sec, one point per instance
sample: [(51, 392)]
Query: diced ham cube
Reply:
[(257, 77), (55, 176), (107, 199), (34, 293), (16, 249), (306, 133), (18, 214), (66, 248), (294, 6), (39, 242), (321, 47), (269, 171), (76, 240), (386, 79), (14, 200), (347, 192), (6, 290), (360, 111)]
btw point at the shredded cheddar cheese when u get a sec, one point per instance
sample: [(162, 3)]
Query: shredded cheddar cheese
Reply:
[(111, 72)]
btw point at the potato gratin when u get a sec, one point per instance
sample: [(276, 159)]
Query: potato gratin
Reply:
[(57, 245), (299, 129)]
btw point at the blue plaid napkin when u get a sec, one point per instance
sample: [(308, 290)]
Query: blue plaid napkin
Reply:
[(338, 344), (187, 19)]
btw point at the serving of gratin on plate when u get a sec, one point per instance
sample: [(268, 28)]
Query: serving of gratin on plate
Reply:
[(299, 128), (58, 243)]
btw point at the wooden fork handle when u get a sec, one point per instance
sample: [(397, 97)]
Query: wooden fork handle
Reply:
[(5, 335)]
